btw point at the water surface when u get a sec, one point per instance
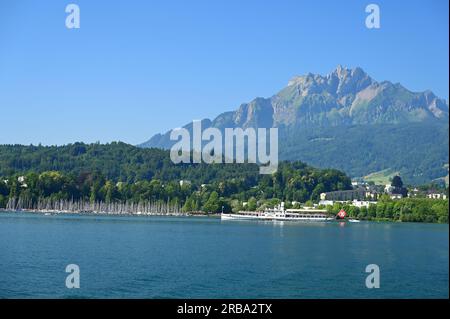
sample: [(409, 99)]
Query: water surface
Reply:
[(201, 257)]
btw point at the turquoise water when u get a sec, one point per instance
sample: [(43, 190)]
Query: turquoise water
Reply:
[(201, 257)]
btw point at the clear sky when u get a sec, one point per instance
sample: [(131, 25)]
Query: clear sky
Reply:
[(136, 68)]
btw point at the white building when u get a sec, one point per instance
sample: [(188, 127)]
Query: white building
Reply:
[(362, 203), (355, 203), (388, 188), (21, 180), (185, 182), (437, 196), (325, 202)]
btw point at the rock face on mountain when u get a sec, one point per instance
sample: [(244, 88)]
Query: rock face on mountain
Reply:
[(343, 99)]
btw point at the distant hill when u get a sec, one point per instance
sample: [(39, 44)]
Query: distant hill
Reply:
[(349, 121), (76, 169), (117, 161), (121, 162)]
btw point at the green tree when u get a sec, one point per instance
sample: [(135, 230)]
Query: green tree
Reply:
[(397, 182), (251, 204), (212, 205)]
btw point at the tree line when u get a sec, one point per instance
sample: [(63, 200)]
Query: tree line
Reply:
[(122, 177), (118, 172), (402, 210)]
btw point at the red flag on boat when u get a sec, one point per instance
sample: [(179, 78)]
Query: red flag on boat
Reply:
[(342, 214)]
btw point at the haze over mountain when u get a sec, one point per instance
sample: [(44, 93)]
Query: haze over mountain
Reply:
[(349, 121)]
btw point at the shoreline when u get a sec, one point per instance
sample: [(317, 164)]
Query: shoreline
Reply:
[(103, 213), (192, 215)]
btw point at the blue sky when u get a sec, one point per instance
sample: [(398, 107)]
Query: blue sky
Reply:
[(136, 68)]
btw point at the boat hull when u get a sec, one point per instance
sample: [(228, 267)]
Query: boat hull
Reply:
[(275, 218), (243, 217)]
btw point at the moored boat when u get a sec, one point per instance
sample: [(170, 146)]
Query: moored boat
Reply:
[(279, 213)]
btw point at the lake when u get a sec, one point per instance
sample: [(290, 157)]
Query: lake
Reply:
[(204, 257)]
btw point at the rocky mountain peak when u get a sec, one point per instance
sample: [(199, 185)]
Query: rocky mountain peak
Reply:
[(339, 82), (345, 96)]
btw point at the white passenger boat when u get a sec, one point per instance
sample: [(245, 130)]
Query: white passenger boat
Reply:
[(281, 214)]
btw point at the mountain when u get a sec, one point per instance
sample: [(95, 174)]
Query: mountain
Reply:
[(349, 121)]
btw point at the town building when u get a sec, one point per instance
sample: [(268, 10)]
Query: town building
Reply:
[(437, 196), (184, 182), (346, 195)]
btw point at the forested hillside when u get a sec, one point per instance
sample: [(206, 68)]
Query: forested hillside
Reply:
[(121, 172)]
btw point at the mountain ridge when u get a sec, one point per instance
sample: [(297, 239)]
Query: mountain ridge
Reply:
[(340, 99)]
